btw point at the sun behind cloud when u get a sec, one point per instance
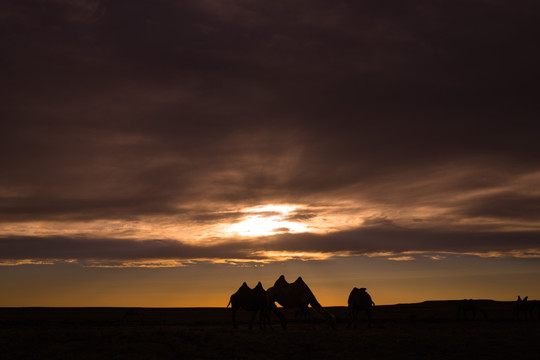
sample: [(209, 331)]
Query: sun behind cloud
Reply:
[(267, 220)]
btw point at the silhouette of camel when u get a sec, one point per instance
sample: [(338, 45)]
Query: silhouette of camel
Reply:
[(251, 300), (524, 306), (467, 307), (295, 295), (536, 307), (359, 300)]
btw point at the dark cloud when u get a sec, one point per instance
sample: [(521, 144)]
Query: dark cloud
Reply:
[(394, 239), (281, 230), (506, 205), (124, 109), (386, 238), (378, 221), (300, 216), (81, 249), (212, 217)]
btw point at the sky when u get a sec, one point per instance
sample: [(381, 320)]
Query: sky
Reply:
[(161, 152)]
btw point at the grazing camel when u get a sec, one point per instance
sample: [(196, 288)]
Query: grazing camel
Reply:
[(524, 306), (296, 295), (251, 300), (359, 300), (467, 307)]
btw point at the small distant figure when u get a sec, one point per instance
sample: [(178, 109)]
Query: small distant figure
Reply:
[(525, 307), (359, 300), (468, 309), (250, 300)]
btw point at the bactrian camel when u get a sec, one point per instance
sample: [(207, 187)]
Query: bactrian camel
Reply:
[(251, 300), (296, 295), (524, 306), (359, 300), (471, 307)]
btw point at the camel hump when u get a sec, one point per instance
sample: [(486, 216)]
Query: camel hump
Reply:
[(259, 285), (281, 281), (300, 282)]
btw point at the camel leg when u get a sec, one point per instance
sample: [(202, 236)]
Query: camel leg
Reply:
[(483, 313), (302, 315), (265, 318), (310, 314), (350, 318), (278, 313), (252, 319), (234, 310), (368, 313), (355, 318), (269, 321), (262, 319)]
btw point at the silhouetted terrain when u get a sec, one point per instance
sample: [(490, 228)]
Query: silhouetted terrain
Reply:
[(411, 331)]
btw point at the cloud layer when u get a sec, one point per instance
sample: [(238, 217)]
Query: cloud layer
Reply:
[(398, 127)]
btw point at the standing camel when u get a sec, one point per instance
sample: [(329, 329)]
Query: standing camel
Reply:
[(296, 295), (467, 307), (251, 300), (359, 300), (524, 306)]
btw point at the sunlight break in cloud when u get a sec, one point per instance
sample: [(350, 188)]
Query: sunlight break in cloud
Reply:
[(267, 220), (402, 258), (271, 256)]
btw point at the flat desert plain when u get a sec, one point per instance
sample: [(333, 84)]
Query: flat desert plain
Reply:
[(428, 330)]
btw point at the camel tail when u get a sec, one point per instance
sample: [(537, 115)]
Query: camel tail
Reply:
[(229, 303)]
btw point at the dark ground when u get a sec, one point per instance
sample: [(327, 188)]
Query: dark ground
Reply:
[(428, 330)]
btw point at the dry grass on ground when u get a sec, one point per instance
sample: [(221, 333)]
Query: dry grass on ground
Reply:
[(427, 330)]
